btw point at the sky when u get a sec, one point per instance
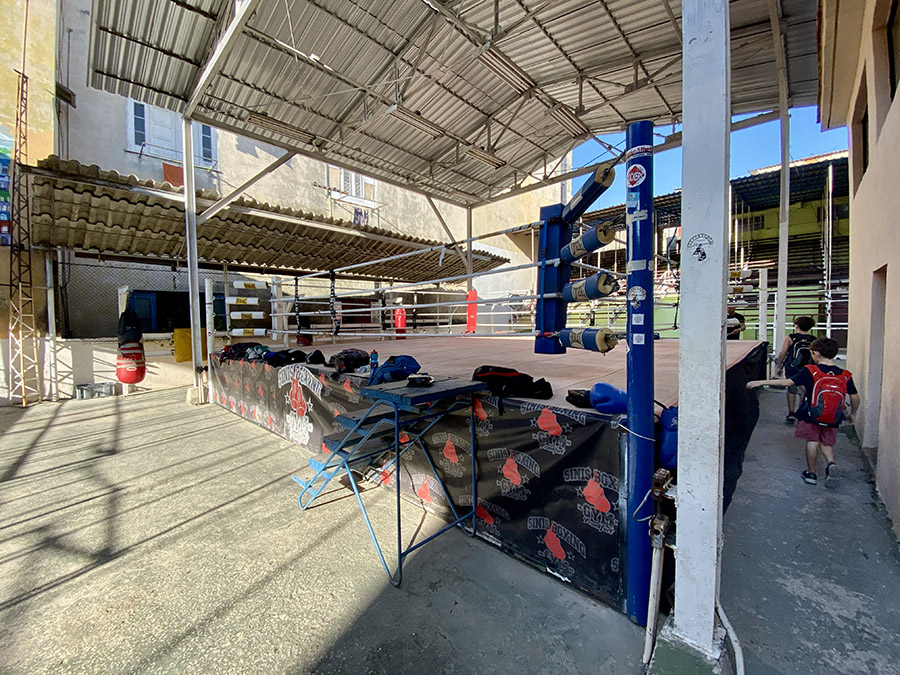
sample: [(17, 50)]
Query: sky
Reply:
[(751, 148)]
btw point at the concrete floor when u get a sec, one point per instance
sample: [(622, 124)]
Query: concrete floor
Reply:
[(140, 535), (810, 576)]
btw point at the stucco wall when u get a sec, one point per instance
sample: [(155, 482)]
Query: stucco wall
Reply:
[(39, 66), (874, 245)]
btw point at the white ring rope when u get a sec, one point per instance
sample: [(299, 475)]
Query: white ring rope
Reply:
[(342, 334), (389, 308), (554, 262)]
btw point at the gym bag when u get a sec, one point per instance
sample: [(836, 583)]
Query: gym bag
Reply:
[(511, 383)]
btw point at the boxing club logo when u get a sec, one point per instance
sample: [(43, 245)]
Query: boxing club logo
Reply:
[(551, 435), (484, 409), (516, 470), (600, 492), (560, 544), (489, 516), (451, 446)]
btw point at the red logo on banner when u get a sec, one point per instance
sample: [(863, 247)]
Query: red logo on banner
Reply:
[(547, 422), (595, 496), (480, 413), (554, 545), (423, 491), (450, 452), (511, 471), (298, 403), (482, 513)]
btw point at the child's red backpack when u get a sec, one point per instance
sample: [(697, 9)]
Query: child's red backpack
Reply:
[(826, 400)]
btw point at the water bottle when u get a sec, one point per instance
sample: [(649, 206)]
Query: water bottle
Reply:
[(373, 360)]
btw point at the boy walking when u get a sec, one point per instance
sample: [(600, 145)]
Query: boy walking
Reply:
[(826, 387), (795, 356)]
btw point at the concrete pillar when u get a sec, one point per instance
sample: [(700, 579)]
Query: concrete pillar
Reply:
[(701, 362), (190, 219)]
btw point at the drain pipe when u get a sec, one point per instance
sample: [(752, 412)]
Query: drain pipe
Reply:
[(658, 527)]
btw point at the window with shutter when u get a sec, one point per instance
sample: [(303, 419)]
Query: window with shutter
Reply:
[(155, 132), (353, 188)]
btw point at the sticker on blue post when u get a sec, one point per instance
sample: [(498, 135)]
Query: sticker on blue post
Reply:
[(634, 200)]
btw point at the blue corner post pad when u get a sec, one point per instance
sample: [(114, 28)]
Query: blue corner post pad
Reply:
[(550, 317)]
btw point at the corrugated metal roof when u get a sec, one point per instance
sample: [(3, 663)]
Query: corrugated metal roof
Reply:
[(759, 191), (83, 207), (332, 68)]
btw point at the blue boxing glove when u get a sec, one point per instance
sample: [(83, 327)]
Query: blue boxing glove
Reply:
[(608, 399), (668, 438)]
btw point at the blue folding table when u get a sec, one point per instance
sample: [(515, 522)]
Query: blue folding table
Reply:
[(371, 435)]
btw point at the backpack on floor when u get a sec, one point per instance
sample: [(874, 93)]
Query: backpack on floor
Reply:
[(798, 354), (826, 400)]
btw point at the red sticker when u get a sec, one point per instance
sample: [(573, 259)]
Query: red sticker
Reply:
[(635, 176)]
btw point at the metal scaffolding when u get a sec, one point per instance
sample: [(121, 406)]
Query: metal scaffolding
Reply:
[(25, 381)]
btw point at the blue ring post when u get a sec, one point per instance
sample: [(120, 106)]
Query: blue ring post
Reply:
[(639, 458)]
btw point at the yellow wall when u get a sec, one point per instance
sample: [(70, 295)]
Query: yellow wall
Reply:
[(40, 66), (803, 220)]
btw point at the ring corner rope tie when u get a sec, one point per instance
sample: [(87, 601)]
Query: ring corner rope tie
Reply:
[(336, 325)]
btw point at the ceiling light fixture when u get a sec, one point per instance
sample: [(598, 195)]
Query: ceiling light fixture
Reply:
[(415, 120), (569, 121), (484, 156), (272, 124), (506, 69)]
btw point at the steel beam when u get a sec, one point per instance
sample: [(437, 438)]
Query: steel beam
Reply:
[(241, 189), (243, 9), (464, 258), (701, 359)]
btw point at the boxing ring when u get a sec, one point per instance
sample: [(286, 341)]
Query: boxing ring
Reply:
[(563, 488)]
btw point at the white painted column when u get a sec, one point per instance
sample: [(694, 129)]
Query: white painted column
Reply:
[(763, 331), (704, 271), (190, 219), (210, 335), (50, 284), (783, 225), (829, 251)]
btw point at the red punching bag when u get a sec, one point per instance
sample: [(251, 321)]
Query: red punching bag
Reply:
[(131, 366)]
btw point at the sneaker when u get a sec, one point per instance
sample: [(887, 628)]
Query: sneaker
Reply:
[(809, 477), (790, 419), (832, 475)]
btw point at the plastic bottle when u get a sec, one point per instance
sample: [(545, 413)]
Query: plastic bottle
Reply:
[(373, 360)]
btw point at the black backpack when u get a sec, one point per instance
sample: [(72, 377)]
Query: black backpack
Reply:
[(509, 382), (799, 355)]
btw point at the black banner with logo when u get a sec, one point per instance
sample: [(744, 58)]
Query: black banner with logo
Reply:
[(548, 478), (550, 486)]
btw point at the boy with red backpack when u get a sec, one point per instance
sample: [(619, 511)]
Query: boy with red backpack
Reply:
[(826, 388)]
